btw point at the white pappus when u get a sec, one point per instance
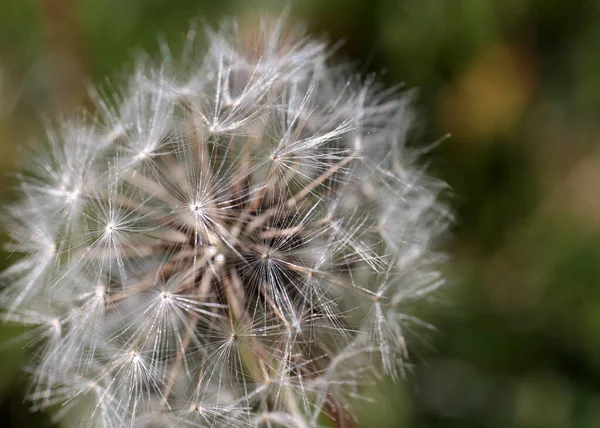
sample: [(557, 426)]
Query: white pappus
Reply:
[(233, 239)]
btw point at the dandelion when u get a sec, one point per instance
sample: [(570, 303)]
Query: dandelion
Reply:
[(232, 242)]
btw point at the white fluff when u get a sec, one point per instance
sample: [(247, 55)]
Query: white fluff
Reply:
[(231, 241)]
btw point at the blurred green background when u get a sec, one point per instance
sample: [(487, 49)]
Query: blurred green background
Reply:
[(517, 85)]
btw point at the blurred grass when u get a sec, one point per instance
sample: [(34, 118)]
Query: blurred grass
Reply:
[(516, 83)]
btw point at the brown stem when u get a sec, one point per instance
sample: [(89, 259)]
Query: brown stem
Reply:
[(203, 290), (64, 38), (319, 180), (338, 416)]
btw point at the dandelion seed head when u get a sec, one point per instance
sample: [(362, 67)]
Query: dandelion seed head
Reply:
[(219, 259), (142, 155), (231, 240), (56, 326), (100, 291), (50, 249)]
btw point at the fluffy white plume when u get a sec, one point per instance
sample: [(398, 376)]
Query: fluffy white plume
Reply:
[(231, 241)]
